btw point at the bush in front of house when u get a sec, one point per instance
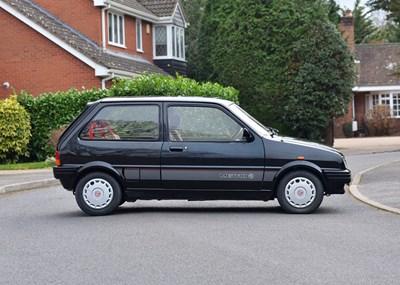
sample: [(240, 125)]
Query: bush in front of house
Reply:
[(379, 121), (348, 130), (15, 130), (50, 112)]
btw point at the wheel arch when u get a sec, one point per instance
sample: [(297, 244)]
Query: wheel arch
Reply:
[(99, 166), (298, 165)]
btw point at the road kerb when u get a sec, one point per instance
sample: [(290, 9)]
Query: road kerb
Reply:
[(353, 189), (29, 185)]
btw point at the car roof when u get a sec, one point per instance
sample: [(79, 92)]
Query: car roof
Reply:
[(166, 99)]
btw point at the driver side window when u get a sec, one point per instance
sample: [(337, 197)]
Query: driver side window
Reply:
[(198, 123)]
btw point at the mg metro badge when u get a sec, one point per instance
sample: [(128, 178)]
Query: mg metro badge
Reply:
[(236, 176)]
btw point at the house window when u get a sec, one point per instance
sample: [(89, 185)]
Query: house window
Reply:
[(392, 100), (139, 46), (396, 105), (116, 33), (161, 41), (169, 42)]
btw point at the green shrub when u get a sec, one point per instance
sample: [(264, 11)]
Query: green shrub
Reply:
[(15, 130), (348, 129), (51, 111), (159, 85)]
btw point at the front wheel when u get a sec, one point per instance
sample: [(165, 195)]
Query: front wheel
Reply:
[(300, 192), (98, 194)]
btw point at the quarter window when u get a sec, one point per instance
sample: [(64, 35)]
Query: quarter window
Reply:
[(137, 123), (190, 123), (116, 33)]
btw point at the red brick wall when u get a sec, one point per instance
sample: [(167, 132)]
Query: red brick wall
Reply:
[(79, 14), (29, 61), (346, 27), (341, 121), (359, 106), (147, 40), (130, 39)]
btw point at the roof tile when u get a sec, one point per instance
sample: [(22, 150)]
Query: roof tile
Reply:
[(162, 8), (378, 63)]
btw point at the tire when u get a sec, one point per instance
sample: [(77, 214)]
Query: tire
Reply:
[(300, 192), (98, 194)]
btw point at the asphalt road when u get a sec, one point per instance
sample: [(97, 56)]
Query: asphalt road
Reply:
[(46, 239)]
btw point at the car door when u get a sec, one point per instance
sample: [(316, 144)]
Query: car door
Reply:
[(205, 148), (127, 136)]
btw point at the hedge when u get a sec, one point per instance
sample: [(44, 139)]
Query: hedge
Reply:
[(52, 111)]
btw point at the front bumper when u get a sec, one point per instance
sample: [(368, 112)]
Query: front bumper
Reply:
[(335, 180)]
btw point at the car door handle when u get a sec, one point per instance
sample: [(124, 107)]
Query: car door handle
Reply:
[(177, 148)]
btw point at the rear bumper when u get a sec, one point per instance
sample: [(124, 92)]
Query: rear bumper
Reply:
[(66, 175), (335, 180)]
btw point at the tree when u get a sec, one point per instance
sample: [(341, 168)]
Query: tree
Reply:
[(333, 10), (194, 11), (364, 28), (291, 65), (320, 84), (392, 7), (390, 31)]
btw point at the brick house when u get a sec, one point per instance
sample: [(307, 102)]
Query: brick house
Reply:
[(376, 82), (57, 45)]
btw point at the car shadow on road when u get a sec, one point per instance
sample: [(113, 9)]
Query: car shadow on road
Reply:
[(132, 208), (194, 210)]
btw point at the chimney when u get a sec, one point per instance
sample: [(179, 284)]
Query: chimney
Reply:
[(346, 27)]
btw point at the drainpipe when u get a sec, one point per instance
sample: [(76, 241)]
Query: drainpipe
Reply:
[(103, 81)]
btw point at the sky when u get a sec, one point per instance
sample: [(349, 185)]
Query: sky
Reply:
[(377, 16), (349, 3)]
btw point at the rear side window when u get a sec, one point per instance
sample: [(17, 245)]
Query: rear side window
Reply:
[(135, 122)]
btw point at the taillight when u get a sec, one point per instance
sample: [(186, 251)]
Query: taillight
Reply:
[(58, 162)]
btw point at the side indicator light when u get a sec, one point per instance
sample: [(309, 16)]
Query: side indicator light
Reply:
[(300, 157), (58, 162)]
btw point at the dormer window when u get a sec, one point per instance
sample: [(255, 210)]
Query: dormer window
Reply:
[(116, 32), (169, 42)]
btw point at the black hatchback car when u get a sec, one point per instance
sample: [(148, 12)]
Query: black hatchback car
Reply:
[(124, 149)]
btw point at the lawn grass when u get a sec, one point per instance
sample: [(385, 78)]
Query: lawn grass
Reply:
[(27, 165)]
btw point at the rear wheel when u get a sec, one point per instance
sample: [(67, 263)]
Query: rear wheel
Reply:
[(98, 194), (300, 192)]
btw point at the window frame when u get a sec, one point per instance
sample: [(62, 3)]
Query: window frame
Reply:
[(383, 98), (175, 43), (116, 29), (217, 107), (155, 42), (92, 117), (139, 35)]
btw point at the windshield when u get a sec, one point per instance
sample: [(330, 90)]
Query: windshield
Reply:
[(251, 121)]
